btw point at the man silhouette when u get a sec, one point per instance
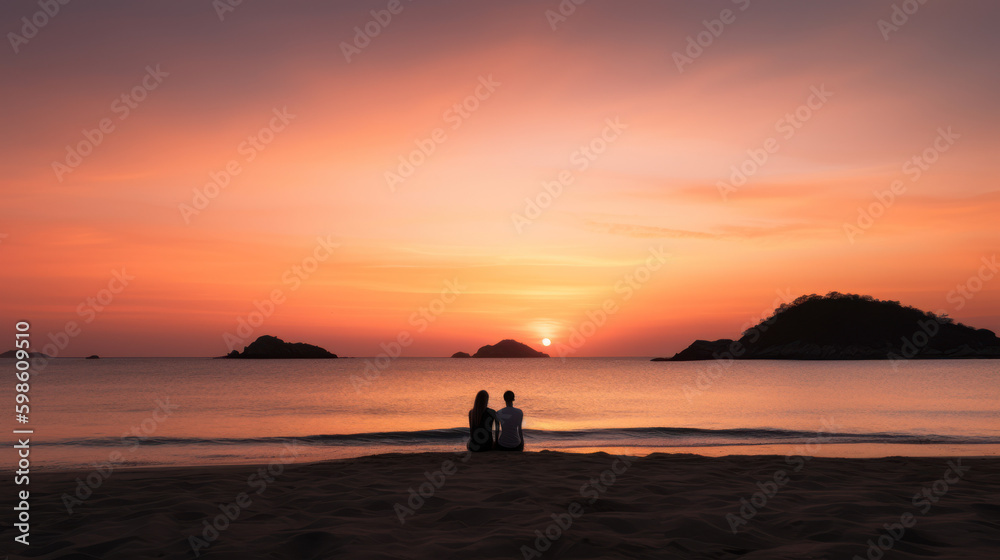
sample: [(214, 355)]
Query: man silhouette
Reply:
[(511, 438)]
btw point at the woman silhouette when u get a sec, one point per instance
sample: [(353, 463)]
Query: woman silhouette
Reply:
[(482, 420)]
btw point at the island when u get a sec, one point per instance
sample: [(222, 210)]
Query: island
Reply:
[(273, 348), (848, 327), (93, 357), (31, 355), (506, 348)]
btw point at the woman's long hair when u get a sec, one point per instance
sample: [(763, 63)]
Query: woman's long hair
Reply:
[(479, 408)]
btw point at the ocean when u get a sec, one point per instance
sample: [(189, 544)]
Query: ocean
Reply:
[(137, 412)]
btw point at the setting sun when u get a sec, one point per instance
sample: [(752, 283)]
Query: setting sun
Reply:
[(546, 342)]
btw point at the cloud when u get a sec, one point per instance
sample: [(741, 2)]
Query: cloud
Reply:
[(720, 233)]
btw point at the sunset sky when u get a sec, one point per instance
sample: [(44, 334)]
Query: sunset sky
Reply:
[(657, 175)]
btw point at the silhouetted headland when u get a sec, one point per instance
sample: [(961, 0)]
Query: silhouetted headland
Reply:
[(273, 348), (849, 327), (506, 348), (13, 354)]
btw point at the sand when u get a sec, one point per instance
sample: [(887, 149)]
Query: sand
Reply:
[(497, 505)]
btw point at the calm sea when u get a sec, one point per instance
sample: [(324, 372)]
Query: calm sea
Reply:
[(146, 412)]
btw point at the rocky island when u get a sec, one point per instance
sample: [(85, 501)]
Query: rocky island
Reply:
[(506, 348), (273, 348), (848, 327)]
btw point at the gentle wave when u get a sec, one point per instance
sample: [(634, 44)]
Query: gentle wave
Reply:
[(672, 437)]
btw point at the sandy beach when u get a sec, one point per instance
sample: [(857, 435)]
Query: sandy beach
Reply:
[(530, 505)]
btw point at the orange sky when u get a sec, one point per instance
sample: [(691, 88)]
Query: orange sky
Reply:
[(654, 186)]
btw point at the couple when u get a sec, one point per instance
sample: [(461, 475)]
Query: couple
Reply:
[(506, 423)]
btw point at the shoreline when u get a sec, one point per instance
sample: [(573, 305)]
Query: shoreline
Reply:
[(861, 451), (490, 505), (318, 453)]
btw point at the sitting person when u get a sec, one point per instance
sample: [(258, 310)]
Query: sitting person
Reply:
[(511, 438), (482, 420)]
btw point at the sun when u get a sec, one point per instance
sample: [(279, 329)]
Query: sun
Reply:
[(546, 342)]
